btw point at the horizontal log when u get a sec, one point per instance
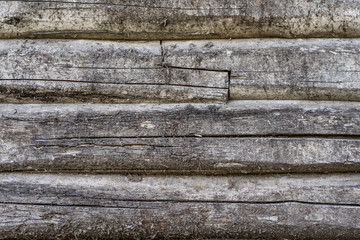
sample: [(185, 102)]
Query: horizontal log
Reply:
[(301, 69), (239, 137), (176, 220), (114, 206), (237, 118), (60, 71), (182, 155), (74, 92), (194, 19), (111, 190)]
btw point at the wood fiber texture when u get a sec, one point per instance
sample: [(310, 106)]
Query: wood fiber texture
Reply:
[(167, 119), (239, 137), (277, 69), (174, 220), (164, 19), (123, 207), (63, 71), (110, 190)]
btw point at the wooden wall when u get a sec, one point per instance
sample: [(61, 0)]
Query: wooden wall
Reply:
[(180, 119)]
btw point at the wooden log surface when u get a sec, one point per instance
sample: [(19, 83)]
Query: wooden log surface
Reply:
[(192, 71), (174, 220), (237, 118), (302, 69), (111, 190), (194, 19), (60, 71), (64, 206), (239, 137), (299, 139), (188, 155)]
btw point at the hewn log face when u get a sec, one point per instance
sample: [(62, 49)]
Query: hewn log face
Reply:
[(112, 190), (134, 170), (237, 137), (237, 118), (60, 71), (182, 155), (311, 69), (117, 206), (174, 220), (113, 72), (163, 19)]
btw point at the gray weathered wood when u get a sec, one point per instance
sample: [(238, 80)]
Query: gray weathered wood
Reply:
[(181, 155), (98, 71), (238, 137), (237, 118), (309, 69), (174, 220), (111, 190), (194, 19), (75, 92), (135, 206)]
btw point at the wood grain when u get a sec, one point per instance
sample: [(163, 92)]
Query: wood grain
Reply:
[(60, 71), (181, 169), (237, 118), (98, 206), (111, 190), (176, 220), (194, 19), (239, 137), (182, 155), (301, 69)]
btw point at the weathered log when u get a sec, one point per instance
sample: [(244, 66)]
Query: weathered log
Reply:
[(111, 190), (174, 220), (64, 206), (184, 155), (237, 118), (197, 71), (239, 137), (302, 69), (60, 71), (194, 19)]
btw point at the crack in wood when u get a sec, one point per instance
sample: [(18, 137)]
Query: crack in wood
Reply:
[(115, 84), (188, 201), (167, 65), (271, 136)]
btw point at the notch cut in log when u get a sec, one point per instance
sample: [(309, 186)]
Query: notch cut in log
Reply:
[(194, 19), (277, 69), (63, 206), (290, 136), (62, 71)]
